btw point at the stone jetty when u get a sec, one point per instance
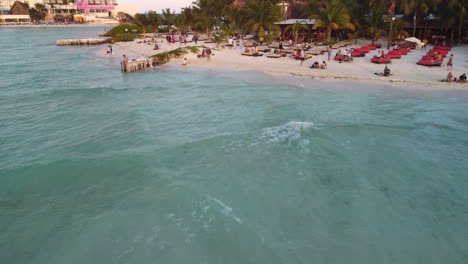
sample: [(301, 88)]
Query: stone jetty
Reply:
[(133, 66), (77, 42)]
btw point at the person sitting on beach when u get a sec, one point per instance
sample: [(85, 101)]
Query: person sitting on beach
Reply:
[(449, 77), (323, 65), (203, 54), (462, 78), (385, 73), (156, 47), (316, 65)]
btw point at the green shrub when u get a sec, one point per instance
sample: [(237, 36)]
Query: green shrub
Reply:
[(124, 37), (329, 43), (120, 29)]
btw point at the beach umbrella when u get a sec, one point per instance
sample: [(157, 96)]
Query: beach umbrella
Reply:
[(413, 39)]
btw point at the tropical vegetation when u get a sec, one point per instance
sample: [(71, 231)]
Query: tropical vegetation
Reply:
[(334, 19)]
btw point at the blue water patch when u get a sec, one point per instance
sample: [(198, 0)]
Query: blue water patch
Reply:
[(170, 166)]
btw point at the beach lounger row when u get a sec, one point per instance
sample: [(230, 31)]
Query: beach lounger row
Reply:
[(431, 58)]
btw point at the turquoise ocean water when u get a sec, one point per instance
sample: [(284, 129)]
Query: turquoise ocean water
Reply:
[(170, 166)]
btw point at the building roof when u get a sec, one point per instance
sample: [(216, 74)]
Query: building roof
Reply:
[(293, 21), (18, 8)]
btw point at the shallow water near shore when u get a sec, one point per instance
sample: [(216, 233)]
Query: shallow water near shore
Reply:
[(188, 166)]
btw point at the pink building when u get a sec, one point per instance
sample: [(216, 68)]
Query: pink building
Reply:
[(84, 7)]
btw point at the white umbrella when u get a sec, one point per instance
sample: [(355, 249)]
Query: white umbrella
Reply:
[(413, 39)]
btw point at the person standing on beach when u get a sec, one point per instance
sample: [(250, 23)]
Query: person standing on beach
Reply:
[(235, 42), (329, 50), (450, 63), (302, 56)]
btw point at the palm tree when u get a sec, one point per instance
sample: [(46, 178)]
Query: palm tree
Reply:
[(204, 23), (397, 30), (417, 7), (295, 28), (168, 18), (333, 16), (375, 22), (149, 21), (154, 19), (189, 16), (181, 22), (261, 16)]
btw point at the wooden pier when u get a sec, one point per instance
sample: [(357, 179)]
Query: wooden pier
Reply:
[(78, 42)]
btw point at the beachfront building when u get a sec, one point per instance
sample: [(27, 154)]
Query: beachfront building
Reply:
[(64, 11), (308, 33), (18, 13)]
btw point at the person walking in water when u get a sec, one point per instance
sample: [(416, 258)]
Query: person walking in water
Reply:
[(450, 63), (109, 50)]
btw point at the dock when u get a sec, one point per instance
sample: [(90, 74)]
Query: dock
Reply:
[(78, 42)]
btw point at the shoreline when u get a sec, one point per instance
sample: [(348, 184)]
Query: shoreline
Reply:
[(406, 71), (331, 76), (303, 80)]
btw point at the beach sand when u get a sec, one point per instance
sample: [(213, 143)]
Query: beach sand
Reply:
[(405, 70)]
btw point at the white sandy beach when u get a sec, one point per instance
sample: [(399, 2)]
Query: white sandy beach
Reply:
[(404, 69)]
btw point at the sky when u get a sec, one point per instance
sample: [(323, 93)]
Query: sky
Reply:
[(157, 5)]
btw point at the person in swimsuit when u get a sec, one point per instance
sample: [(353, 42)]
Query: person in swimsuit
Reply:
[(449, 77), (450, 63)]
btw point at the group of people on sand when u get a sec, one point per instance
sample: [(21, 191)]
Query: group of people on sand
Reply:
[(234, 40), (317, 65), (206, 53), (461, 79), (346, 56)]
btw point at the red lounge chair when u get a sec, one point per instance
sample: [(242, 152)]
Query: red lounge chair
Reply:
[(381, 61), (358, 54), (378, 46), (361, 50), (443, 52), (427, 58), (398, 52), (393, 56), (430, 63), (370, 47), (443, 48)]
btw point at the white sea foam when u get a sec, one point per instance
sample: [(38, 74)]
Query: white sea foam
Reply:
[(287, 133), (226, 210)]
